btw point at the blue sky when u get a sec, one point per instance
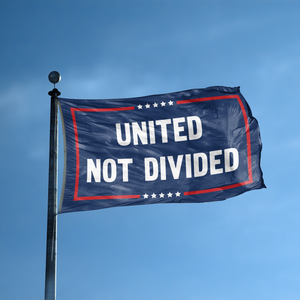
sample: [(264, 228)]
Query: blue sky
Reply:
[(242, 248)]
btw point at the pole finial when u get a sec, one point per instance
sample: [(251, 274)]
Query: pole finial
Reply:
[(54, 77)]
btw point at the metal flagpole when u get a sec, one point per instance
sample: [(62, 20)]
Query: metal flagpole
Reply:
[(50, 280)]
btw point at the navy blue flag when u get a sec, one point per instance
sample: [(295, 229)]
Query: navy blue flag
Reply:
[(186, 147)]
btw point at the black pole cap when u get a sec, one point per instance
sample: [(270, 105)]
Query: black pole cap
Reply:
[(54, 77)]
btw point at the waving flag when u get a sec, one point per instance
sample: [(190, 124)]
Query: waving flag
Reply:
[(186, 147)]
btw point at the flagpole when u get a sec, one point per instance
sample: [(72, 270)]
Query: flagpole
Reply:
[(50, 278)]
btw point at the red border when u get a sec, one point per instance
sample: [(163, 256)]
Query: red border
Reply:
[(226, 187), (180, 102), (76, 198)]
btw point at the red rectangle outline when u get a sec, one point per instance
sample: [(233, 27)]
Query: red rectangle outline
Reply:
[(73, 110), (250, 180)]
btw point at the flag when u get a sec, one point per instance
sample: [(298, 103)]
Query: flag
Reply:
[(192, 146)]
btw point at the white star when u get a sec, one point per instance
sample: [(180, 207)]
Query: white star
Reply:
[(155, 104), (170, 194), (163, 103), (161, 195), (153, 195), (140, 106), (146, 196), (170, 102), (178, 194), (147, 105)]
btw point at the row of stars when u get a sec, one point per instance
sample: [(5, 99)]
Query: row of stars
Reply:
[(161, 195), (140, 106)]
